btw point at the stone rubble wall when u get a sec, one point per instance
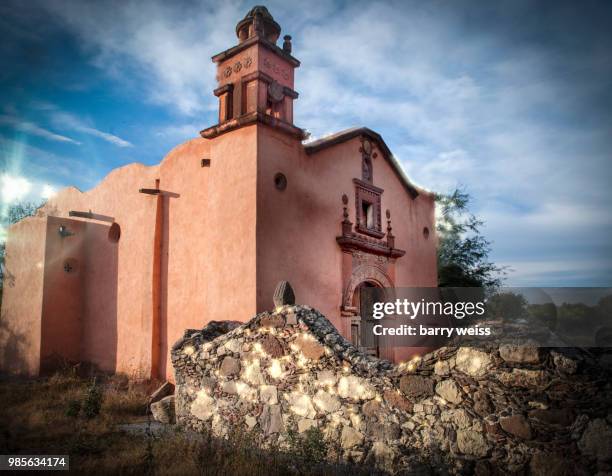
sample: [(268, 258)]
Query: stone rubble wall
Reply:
[(456, 410)]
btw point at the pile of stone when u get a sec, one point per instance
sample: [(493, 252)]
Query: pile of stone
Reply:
[(456, 410)]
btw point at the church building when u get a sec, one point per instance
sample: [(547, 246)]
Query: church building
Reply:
[(113, 276)]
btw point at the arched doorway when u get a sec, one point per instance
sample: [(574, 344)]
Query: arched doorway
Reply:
[(365, 295)]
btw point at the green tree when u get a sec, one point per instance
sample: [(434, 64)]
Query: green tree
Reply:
[(463, 251), (8, 215), (544, 314), (509, 306)]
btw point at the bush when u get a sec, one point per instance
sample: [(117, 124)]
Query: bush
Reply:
[(311, 446), (74, 408), (93, 400), (314, 445), (89, 406)]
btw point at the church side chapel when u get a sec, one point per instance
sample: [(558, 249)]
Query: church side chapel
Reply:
[(113, 276)]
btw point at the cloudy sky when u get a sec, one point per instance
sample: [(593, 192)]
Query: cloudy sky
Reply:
[(511, 100)]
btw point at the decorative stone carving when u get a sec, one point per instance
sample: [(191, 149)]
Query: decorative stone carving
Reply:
[(283, 295), (367, 171), (366, 272), (275, 92), (365, 192)]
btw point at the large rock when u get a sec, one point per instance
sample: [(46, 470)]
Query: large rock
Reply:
[(268, 394), (355, 388), (395, 399), (326, 402), (516, 425), (473, 443), (306, 424), (382, 456), (301, 404), (163, 391), (204, 406), (350, 437), (271, 419), (449, 391), (472, 361), (272, 346), (229, 367), (273, 320), (522, 354), (252, 373), (309, 347), (163, 410), (371, 409), (416, 387), (482, 403)]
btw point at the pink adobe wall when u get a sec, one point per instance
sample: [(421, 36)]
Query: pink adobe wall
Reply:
[(297, 227), (124, 302), (20, 321), (210, 263), (99, 336), (62, 306)]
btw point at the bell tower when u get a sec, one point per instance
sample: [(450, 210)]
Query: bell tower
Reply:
[(255, 78)]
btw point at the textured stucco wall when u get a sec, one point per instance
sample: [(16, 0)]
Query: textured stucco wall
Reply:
[(20, 320), (208, 271)]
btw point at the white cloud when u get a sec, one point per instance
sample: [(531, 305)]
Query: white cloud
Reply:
[(47, 191), (34, 129), (14, 188), (159, 47), (71, 122)]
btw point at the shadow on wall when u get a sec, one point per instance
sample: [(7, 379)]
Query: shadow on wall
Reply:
[(79, 318), (163, 312), (11, 352)]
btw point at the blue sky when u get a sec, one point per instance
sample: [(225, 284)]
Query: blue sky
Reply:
[(512, 100)]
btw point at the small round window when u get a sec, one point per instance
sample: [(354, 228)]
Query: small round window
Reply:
[(114, 233), (425, 232), (280, 181)]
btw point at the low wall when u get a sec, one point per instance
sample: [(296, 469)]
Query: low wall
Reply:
[(457, 410)]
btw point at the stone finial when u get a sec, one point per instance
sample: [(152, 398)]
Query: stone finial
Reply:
[(390, 237), (346, 223), (258, 22), (283, 295), (287, 43)]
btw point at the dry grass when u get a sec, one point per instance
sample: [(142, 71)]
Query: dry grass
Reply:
[(34, 419)]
